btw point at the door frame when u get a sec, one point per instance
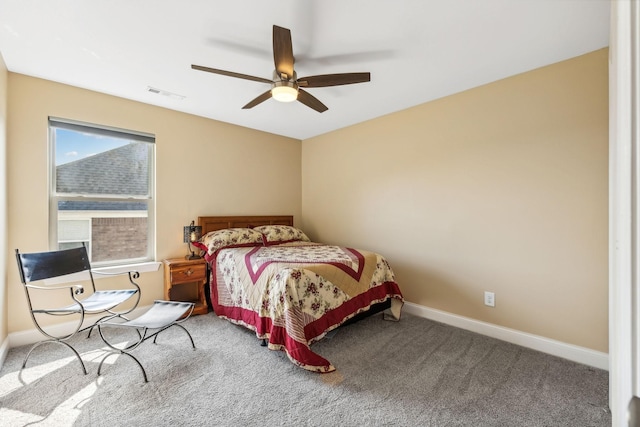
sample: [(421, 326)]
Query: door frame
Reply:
[(624, 208)]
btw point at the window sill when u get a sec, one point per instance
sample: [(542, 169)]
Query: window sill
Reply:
[(143, 267)]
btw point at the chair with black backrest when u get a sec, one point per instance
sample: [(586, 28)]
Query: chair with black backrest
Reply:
[(42, 267)]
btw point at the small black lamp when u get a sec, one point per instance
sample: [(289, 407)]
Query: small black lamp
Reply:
[(192, 233)]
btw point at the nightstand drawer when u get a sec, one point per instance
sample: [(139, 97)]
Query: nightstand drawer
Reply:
[(188, 273)]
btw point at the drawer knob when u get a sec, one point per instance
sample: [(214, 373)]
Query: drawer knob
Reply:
[(189, 272)]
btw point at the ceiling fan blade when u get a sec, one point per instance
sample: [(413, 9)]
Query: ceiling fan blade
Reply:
[(283, 51), (311, 101), (231, 74), (350, 58), (258, 100), (334, 79), (242, 48)]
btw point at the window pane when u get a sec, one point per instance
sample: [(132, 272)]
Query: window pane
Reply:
[(117, 230), (100, 165), (118, 238), (102, 191), (74, 230)]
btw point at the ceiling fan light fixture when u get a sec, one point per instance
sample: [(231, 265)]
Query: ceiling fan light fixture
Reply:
[(284, 91)]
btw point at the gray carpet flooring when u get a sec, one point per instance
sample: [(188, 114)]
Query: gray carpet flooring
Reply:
[(415, 372)]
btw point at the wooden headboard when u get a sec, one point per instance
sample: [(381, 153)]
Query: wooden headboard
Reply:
[(213, 223)]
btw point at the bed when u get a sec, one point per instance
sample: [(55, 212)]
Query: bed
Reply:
[(268, 276)]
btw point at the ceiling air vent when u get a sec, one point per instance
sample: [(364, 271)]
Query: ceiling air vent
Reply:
[(165, 93)]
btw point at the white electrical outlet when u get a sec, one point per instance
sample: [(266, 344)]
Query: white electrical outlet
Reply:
[(489, 299)]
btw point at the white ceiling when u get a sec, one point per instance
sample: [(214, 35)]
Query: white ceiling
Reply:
[(416, 50)]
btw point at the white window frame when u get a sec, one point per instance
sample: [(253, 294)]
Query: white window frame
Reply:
[(54, 198)]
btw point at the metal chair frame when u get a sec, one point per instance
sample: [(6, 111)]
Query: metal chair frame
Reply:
[(38, 267), (161, 316)]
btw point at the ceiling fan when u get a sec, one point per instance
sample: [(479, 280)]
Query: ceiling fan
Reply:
[(286, 86)]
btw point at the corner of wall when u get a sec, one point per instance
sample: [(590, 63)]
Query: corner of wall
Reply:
[(3, 208)]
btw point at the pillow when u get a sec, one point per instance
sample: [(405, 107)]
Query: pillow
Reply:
[(281, 234), (229, 237)]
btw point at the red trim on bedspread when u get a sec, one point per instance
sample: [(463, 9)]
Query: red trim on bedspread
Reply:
[(346, 268), (300, 353), (350, 308)]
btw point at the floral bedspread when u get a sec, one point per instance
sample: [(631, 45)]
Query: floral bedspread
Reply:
[(294, 293)]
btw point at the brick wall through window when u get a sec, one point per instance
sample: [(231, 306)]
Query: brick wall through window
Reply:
[(118, 238)]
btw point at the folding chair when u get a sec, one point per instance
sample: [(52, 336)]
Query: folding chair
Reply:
[(38, 267)]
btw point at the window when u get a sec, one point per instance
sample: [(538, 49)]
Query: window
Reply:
[(101, 192)]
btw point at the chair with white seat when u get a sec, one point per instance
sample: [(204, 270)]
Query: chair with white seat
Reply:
[(161, 316), (42, 266)]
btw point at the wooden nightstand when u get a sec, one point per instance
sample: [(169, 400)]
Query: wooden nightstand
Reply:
[(184, 280)]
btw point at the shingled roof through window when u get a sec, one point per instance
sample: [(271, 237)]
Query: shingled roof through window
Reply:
[(121, 171)]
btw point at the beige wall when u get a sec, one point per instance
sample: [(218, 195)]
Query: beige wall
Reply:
[(3, 203), (203, 167), (500, 188)]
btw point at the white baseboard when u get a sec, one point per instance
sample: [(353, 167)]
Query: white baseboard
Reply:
[(4, 350), (571, 352)]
